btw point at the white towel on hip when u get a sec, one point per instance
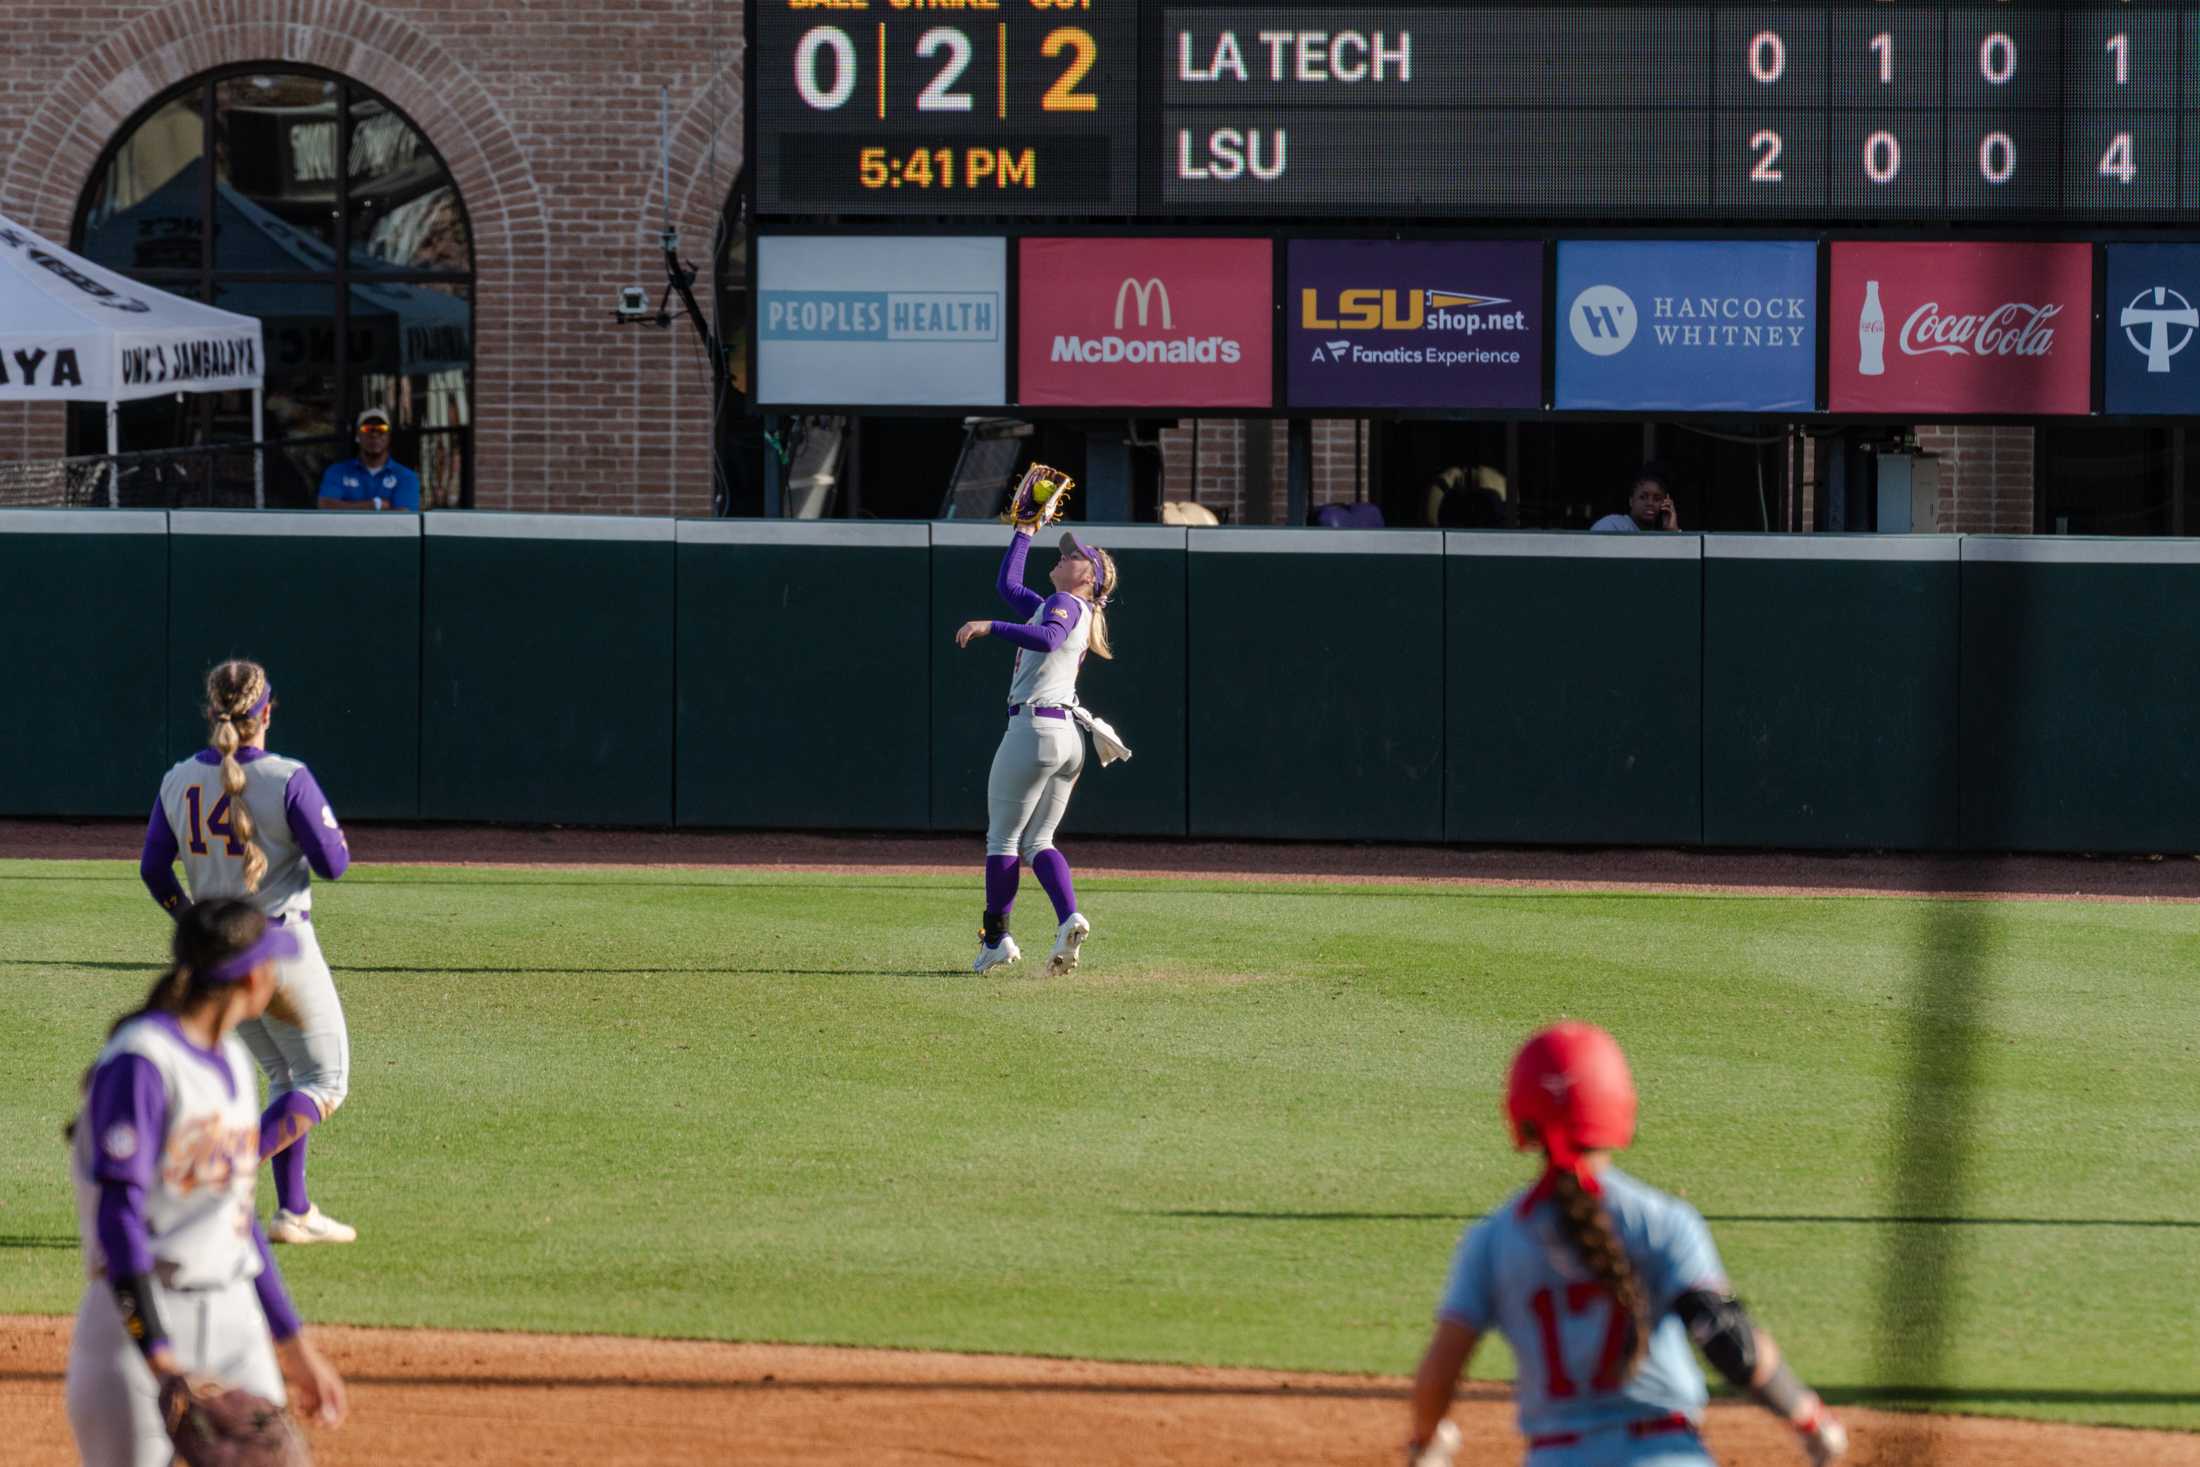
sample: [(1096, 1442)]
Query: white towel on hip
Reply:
[(1104, 737)]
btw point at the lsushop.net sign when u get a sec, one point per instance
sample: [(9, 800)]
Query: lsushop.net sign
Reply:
[(1960, 328)]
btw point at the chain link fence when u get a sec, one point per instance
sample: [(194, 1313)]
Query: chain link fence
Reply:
[(283, 474)]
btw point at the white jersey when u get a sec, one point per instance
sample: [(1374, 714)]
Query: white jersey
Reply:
[(213, 857), (199, 1185), (1050, 679)]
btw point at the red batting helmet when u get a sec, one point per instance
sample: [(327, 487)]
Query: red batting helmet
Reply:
[(1570, 1092)]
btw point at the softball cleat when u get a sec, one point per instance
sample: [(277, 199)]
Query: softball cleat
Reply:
[(997, 955), (310, 1226), (1068, 938)]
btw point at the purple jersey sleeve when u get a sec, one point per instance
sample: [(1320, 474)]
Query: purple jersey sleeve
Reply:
[(157, 863), (313, 825), (1062, 614), (282, 1315), (1019, 597), (128, 1118)]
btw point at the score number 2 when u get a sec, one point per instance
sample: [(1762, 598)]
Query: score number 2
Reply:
[(827, 51)]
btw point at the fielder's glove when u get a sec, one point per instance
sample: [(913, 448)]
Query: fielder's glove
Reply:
[(213, 1425), (1040, 499)]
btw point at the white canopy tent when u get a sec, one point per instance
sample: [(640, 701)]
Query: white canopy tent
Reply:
[(73, 331)]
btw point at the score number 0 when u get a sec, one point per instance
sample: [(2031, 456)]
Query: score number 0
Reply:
[(1997, 151), (939, 94)]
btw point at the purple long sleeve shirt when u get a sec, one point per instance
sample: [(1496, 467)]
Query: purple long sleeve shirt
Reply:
[(1048, 635)]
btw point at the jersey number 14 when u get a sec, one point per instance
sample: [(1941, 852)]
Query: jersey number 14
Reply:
[(217, 821), (1610, 1357)]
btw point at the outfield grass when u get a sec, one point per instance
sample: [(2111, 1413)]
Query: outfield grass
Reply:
[(774, 1107)]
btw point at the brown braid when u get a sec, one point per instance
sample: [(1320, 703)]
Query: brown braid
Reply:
[(231, 690), (1588, 1227)]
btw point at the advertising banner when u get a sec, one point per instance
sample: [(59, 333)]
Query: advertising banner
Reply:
[(1687, 326), (1383, 324), (2153, 314), (1145, 323), (1960, 328), (859, 322)]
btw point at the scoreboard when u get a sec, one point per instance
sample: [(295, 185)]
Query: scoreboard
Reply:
[(1471, 111)]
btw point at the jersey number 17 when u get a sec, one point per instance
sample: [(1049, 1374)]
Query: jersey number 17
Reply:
[(1610, 1357)]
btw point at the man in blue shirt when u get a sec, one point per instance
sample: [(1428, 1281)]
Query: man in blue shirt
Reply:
[(373, 480)]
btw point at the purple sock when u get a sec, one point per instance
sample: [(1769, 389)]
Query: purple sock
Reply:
[(283, 1131), (290, 1177), (1052, 869), (287, 1120), (1001, 875)]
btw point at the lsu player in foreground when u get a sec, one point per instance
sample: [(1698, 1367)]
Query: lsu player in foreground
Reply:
[(165, 1153), (1599, 1283), (253, 825), (1042, 752)]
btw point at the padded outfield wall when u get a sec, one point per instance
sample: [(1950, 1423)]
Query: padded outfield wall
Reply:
[(1829, 692)]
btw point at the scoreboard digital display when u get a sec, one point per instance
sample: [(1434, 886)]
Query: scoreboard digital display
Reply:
[(1864, 110)]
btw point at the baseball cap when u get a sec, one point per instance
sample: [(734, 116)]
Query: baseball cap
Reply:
[(1071, 545), (372, 415), (273, 944)]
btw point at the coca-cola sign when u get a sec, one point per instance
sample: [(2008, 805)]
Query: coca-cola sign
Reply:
[(1984, 328), (2012, 330)]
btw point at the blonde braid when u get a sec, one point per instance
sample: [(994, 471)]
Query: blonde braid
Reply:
[(231, 691), (1099, 642), (1588, 1227)]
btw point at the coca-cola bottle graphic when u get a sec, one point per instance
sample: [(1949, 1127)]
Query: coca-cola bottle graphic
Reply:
[(1871, 334)]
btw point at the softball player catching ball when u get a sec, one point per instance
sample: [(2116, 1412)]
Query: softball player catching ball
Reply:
[(254, 825), (1043, 750), (164, 1153), (1599, 1283)]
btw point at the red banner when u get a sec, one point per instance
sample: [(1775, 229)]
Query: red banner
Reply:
[(1145, 323), (1960, 328)]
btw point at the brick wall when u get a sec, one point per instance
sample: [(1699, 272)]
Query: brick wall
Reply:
[(1340, 466), (1985, 478), (548, 119)]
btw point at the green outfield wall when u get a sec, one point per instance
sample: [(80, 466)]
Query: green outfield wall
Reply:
[(803, 657), (83, 703), (546, 669), (330, 605), (1829, 692), (1828, 667), (1573, 688)]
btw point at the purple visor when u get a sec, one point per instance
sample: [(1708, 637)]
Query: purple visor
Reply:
[(274, 943), (1071, 545), (261, 707)]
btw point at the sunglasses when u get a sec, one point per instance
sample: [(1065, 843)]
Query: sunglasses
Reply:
[(374, 427)]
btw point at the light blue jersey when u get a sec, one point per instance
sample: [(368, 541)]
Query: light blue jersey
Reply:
[(1517, 1274)]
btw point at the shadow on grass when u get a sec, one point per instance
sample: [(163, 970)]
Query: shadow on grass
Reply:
[(1316, 1217), (1715, 1217), (1960, 1222), (19, 1240), (670, 968)]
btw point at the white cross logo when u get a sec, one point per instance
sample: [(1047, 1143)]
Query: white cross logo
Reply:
[(2158, 318)]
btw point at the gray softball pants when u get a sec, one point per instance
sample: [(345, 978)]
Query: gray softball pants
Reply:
[(1034, 770)]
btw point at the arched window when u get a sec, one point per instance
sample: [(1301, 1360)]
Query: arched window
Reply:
[(304, 199)]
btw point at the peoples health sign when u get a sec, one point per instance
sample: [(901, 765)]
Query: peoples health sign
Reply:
[(1380, 324), (1687, 326), (881, 321), (2153, 303)]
